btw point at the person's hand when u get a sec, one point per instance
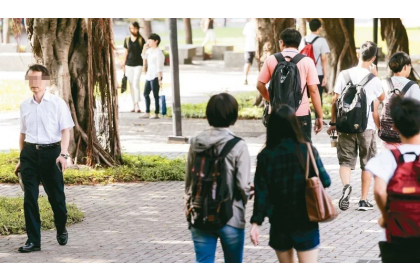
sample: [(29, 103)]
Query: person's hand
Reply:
[(123, 68), (63, 162), (252, 193), (17, 168), (255, 234), (146, 47), (318, 125), (382, 222), (373, 69), (324, 81), (331, 129), (144, 69)]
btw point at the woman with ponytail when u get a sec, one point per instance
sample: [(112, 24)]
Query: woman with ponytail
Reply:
[(133, 62)]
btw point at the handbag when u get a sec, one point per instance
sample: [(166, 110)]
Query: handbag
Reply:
[(318, 203), (124, 84)]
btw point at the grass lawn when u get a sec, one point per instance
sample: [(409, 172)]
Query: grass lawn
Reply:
[(12, 219), (135, 168)]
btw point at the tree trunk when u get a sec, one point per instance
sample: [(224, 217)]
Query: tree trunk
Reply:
[(339, 33), (6, 33), (79, 55), (188, 31), (146, 28), (302, 26), (268, 36), (395, 35)]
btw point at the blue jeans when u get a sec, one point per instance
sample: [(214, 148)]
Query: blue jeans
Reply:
[(205, 242)]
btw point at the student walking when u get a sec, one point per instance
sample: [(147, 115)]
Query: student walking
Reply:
[(398, 84), (155, 62), (133, 63), (319, 50), (356, 90), (250, 46), (280, 186), (397, 186), (208, 27), (45, 124), (283, 88), (217, 184)]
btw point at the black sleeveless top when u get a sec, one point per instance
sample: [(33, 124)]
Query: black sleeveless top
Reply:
[(211, 23)]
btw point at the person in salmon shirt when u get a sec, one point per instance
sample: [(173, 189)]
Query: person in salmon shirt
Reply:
[(290, 40)]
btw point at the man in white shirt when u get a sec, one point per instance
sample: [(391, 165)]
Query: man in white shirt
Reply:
[(364, 144), (250, 46), (44, 140), (155, 62), (320, 49)]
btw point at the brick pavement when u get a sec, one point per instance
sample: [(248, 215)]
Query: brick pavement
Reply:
[(144, 222)]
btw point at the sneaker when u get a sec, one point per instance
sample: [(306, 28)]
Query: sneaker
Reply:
[(246, 82), (364, 205), (155, 116), (368, 203), (145, 116), (343, 203)]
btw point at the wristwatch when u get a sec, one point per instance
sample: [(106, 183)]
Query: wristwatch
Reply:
[(66, 156), (332, 124)]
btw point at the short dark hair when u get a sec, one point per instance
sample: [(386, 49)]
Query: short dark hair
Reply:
[(398, 61), (368, 50), (39, 68), (222, 110), (314, 24), (291, 37), (155, 37), (405, 113)]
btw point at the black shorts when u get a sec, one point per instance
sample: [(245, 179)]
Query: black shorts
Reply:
[(249, 57), (300, 240)]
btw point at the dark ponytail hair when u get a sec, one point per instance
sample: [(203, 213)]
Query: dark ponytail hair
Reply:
[(136, 25)]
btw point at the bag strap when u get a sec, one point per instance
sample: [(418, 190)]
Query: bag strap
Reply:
[(228, 147), (347, 77), (313, 41), (397, 155), (127, 41), (366, 79), (297, 58), (407, 87), (311, 156), (279, 57), (390, 85)]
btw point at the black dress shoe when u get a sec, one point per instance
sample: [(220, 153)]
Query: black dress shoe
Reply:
[(63, 237), (29, 247)]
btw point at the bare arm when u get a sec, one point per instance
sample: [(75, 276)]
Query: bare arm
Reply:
[(22, 141), (332, 128), (263, 90), (381, 196), (65, 141), (375, 113), (124, 59), (324, 62), (316, 102), (382, 97)]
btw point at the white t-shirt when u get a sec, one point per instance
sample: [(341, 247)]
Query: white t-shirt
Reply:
[(320, 47), (383, 165), (399, 83), (250, 36), (155, 62), (373, 89)]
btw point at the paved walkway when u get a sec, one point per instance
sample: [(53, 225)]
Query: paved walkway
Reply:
[(144, 222)]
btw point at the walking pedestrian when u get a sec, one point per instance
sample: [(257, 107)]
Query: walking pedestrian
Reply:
[(208, 27), (250, 46), (154, 75), (217, 184), (45, 123), (356, 120), (280, 186), (133, 63)]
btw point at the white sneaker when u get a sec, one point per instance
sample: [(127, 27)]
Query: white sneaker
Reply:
[(155, 116), (145, 116)]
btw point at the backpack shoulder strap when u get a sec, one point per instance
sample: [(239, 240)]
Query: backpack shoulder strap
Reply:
[(297, 58), (397, 155), (229, 146), (127, 41), (313, 41), (407, 87), (366, 79), (390, 85), (347, 77), (279, 57)]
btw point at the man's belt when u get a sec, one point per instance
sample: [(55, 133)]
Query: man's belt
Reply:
[(44, 146)]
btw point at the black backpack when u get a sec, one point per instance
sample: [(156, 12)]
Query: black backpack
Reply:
[(386, 131), (210, 204), (285, 84), (352, 112)]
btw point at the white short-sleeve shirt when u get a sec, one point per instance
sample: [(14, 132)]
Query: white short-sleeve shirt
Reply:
[(399, 83), (320, 47), (42, 123), (155, 62), (373, 89), (250, 36)]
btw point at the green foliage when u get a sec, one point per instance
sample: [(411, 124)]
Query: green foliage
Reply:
[(12, 219), (135, 168)]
